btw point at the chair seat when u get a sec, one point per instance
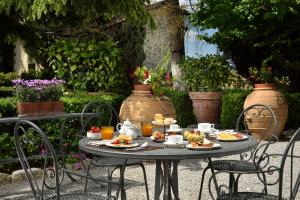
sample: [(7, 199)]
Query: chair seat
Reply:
[(249, 196), (234, 165), (115, 162), (80, 197)]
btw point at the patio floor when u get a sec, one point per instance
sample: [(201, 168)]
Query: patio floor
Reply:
[(189, 181)]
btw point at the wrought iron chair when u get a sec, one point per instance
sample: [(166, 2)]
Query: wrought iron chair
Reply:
[(255, 161), (27, 135), (102, 114), (288, 186)]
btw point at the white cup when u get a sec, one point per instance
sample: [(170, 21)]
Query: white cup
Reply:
[(174, 127), (205, 127), (174, 139)]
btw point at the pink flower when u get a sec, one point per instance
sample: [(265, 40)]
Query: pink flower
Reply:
[(168, 76)]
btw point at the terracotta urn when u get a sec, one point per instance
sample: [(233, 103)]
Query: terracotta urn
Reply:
[(267, 94), (141, 106)]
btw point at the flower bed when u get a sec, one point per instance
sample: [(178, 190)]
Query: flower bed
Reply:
[(39, 97)]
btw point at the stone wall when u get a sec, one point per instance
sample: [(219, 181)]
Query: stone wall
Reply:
[(158, 42)]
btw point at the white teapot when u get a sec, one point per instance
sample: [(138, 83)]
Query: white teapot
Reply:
[(127, 128)]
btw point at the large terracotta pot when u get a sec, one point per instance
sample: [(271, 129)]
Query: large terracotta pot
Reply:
[(141, 106), (267, 94), (207, 106)]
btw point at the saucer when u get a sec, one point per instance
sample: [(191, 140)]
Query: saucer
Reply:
[(175, 130), (157, 140), (168, 144)]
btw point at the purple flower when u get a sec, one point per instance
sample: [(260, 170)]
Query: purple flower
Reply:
[(38, 90)]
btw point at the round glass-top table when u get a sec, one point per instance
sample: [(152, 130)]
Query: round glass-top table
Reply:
[(168, 157)]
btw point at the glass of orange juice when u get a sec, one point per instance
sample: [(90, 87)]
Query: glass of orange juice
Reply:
[(147, 129), (107, 132)]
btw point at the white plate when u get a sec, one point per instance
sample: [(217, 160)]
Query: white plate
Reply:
[(157, 140), (233, 139), (162, 124), (176, 144), (216, 145), (122, 145), (99, 143), (176, 130)]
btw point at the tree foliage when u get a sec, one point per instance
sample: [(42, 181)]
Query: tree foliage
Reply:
[(39, 22), (254, 33), (87, 65), (133, 10)]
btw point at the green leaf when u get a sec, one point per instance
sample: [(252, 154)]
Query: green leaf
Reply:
[(73, 68)]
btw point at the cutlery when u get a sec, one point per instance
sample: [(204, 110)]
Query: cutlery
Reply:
[(142, 146)]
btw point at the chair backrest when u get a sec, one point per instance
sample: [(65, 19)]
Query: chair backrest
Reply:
[(260, 121), (289, 168), (27, 136), (98, 113)]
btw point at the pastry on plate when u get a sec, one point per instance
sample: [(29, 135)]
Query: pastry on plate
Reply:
[(168, 120), (157, 135), (122, 139)]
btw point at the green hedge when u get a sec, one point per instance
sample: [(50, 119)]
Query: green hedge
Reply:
[(293, 120), (232, 106), (6, 78), (183, 106), (6, 91)]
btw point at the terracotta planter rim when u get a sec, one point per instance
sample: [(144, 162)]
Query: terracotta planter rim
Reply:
[(264, 86), (142, 87), (205, 95)]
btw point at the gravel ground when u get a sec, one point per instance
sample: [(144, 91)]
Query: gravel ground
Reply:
[(190, 172)]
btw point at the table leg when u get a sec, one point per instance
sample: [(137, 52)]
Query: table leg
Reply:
[(158, 173), (175, 180), (122, 171), (167, 180)]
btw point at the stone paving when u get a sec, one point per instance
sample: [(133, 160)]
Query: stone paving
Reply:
[(189, 181)]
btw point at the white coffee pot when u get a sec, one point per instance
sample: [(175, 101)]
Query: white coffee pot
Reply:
[(127, 128)]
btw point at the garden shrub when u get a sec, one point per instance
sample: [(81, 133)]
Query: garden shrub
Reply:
[(183, 106), (232, 106), (293, 120), (6, 78), (87, 65), (6, 91)]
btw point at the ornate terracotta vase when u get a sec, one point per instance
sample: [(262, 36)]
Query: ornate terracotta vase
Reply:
[(267, 94)]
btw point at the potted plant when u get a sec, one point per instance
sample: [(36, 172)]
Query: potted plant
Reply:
[(204, 77), (141, 106), (142, 78), (38, 97), (265, 92)]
